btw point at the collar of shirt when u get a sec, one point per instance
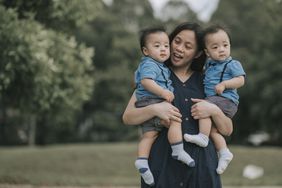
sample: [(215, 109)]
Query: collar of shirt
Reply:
[(214, 62)]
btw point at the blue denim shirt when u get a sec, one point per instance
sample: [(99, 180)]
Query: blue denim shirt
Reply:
[(150, 68), (213, 70)]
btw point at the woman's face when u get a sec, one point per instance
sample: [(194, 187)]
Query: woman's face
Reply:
[(183, 48)]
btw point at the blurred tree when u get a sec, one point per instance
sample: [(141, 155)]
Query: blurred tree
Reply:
[(115, 36), (256, 41), (175, 12), (45, 75), (63, 15)]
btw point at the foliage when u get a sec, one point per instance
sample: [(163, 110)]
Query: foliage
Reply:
[(43, 73), (48, 84), (64, 15), (116, 58)]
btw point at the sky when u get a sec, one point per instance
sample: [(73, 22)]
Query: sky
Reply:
[(203, 8)]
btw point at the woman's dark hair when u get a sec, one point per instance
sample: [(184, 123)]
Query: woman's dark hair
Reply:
[(198, 63)]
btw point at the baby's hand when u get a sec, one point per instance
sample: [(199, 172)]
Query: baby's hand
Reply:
[(167, 95), (219, 88)]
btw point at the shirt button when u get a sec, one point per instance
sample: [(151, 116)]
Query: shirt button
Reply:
[(187, 119), (181, 184), (184, 85), (186, 100)]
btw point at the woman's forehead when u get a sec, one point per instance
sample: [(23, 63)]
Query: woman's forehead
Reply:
[(187, 36)]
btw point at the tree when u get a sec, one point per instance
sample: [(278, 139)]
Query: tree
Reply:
[(115, 35), (45, 73)]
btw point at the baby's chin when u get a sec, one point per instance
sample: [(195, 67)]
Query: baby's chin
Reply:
[(221, 59)]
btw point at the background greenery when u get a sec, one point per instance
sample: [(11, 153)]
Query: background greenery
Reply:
[(66, 67), (112, 164)]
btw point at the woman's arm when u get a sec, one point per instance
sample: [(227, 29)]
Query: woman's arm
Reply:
[(135, 116), (204, 109)]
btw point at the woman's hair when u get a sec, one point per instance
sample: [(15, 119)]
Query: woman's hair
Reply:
[(198, 63)]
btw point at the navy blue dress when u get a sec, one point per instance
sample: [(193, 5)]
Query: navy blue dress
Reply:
[(170, 173)]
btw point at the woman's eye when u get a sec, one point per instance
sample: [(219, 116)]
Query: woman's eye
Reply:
[(188, 47), (177, 41)]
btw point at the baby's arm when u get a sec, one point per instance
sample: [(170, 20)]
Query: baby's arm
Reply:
[(153, 87), (233, 83)]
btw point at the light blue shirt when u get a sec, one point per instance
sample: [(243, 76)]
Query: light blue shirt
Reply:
[(150, 68), (213, 71)]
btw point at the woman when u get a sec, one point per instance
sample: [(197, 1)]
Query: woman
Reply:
[(186, 63)]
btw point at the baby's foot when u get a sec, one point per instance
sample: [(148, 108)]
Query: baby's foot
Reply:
[(142, 165), (199, 139), (225, 158)]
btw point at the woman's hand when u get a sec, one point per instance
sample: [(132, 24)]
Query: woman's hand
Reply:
[(167, 112), (202, 109)]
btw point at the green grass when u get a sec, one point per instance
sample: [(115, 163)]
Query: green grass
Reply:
[(113, 164)]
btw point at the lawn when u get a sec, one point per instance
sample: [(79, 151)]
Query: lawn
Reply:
[(112, 164)]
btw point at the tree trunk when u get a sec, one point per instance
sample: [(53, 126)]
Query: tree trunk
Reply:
[(32, 130)]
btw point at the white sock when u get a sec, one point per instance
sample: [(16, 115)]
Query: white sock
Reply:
[(225, 157), (143, 167), (199, 139), (181, 155)]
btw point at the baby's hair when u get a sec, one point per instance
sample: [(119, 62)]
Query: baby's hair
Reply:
[(215, 28), (144, 33)]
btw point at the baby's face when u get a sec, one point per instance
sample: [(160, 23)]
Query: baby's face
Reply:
[(157, 46), (217, 45)]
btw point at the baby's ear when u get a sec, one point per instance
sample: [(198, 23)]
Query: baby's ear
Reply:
[(206, 52), (145, 51)]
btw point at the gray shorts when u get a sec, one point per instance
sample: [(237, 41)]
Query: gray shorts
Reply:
[(228, 107), (154, 123)]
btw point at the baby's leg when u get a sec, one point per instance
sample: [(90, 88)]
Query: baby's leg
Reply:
[(175, 140), (224, 155), (141, 162), (201, 139)]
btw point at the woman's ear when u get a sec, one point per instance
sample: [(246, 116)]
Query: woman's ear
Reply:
[(199, 54)]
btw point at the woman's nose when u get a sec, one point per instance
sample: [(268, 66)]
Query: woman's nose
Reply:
[(179, 48)]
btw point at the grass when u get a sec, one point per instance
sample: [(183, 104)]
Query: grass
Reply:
[(112, 164)]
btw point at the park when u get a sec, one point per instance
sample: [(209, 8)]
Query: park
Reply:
[(66, 75)]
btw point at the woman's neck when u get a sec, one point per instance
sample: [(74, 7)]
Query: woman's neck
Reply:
[(183, 73)]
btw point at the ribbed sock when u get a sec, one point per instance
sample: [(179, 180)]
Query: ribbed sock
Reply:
[(225, 157), (181, 155), (143, 167), (199, 139)]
